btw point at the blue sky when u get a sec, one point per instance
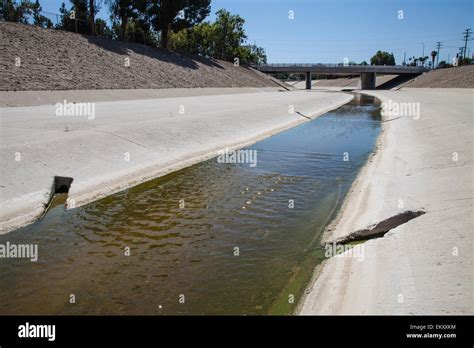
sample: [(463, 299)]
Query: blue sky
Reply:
[(327, 31)]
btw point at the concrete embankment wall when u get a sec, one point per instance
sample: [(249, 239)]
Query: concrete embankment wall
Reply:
[(128, 142), (424, 162)]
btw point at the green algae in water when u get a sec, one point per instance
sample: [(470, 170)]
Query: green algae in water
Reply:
[(190, 251)]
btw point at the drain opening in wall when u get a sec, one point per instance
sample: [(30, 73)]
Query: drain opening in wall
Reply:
[(62, 184)]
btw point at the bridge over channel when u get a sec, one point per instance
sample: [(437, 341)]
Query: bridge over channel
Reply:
[(367, 72)]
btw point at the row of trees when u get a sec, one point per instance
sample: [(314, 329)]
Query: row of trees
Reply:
[(224, 39), (23, 12), (417, 61), (382, 58), (170, 24)]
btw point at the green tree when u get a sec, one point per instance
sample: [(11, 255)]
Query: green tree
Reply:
[(167, 16), (465, 61), (443, 64), (65, 20), (17, 11), (423, 60), (196, 40), (38, 18), (81, 14), (229, 35), (433, 56), (102, 29), (253, 54), (420, 61), (382, 58), (138, 30), (224, 39), (123, 11)]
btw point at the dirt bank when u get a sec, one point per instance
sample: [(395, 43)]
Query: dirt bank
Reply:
[(60, 60), (459, 77)]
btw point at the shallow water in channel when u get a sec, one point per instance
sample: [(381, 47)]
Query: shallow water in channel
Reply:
[(191, 251)]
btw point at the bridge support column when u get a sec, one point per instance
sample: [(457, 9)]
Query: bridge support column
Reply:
[(367, 81), (308, 80)]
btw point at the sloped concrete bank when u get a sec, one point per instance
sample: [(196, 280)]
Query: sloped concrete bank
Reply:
[(36, 98), (424, 162), (125, 143)]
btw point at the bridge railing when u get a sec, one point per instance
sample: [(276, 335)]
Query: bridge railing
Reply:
[(299, 65), (330, 65), (338, 65)]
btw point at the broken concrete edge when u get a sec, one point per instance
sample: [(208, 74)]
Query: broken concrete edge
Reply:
[(348, 287), (94, 190), (327, 235), (379, 229), (375, 229)]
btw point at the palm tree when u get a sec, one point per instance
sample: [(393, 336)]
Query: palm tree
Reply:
[(433, 56), (425, 58)]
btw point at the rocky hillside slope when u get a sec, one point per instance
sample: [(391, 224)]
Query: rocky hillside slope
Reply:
[(458, 77), (51, 59)]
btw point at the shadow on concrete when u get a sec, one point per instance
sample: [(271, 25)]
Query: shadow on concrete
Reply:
[(398, 81)]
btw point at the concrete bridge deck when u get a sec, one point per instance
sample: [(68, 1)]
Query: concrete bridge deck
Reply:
[(366, 72)]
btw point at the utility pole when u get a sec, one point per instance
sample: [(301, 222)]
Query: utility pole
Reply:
[(466, 37), (438, 46), (461, 54), (423, 54)]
